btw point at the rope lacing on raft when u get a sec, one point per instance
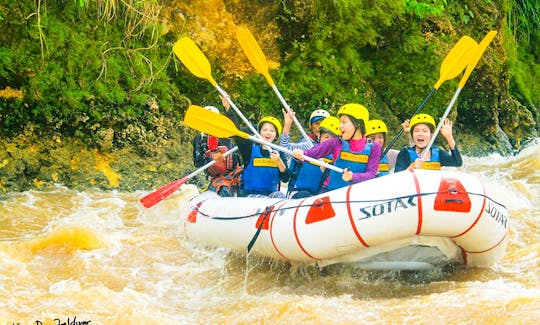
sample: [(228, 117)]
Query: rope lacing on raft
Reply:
[(318, 203)]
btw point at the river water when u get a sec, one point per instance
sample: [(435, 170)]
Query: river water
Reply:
[(99, 257)]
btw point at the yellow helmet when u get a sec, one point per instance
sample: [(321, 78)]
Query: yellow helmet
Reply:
[(318, 114), (375, 126), (272, 120), (330, 125), (422, 118), (359, 112)]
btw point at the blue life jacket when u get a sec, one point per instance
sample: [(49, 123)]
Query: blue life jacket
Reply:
[(308, 176), (261, 174), (384, 169), (434, 162), (354, 161)]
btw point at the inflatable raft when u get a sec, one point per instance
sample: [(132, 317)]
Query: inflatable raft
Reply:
[(404, 221)]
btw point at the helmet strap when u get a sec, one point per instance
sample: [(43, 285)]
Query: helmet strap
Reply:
[(354, 132)]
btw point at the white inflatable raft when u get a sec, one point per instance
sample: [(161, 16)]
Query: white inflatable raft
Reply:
[(407, 220)]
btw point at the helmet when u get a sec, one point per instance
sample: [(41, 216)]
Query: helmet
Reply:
[(272, 120), (375, 126), (330, 125), (359, 112), (317, 115), (212, 108), (422, 118)]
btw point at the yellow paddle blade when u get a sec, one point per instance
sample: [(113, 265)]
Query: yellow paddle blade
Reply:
[(253, 52), (191, 56), (209, 122), (456, 60), (477, 54)]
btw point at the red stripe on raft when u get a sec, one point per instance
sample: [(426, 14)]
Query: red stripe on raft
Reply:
[(296, 237), (492, 247), (477, 218), (356, 232), (271, 232), (420, 213)]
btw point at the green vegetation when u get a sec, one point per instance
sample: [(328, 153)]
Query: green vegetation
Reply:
[(81, 68), (102, 72), (523, 51)]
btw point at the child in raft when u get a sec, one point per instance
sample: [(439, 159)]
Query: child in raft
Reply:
[(351, 152), (422, 128)]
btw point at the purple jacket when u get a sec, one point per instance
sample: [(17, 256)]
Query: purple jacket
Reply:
[(333, 146)]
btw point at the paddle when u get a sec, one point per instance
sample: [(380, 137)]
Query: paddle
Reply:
[(473, 61), (452, 65), (165, 191), (191, 56), (258, 60), (258, 231), (221, 126)]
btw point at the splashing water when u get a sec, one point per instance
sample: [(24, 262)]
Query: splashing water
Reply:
[(100, 257)]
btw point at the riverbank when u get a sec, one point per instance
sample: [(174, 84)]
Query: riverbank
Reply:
[(30, 161)]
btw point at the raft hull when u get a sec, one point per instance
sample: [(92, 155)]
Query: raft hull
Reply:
[(408, 220)]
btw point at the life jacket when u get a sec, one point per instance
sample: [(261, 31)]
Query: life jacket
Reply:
[(220, 167), (354, 161), (261, 174), (307, 176), (434, 162), (384, 169), (228, 184)]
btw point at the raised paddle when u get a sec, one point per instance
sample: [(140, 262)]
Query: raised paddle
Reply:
[(221, 126), (165, 191), (193, 58), (258, 60), (452, 65), (473, 61)]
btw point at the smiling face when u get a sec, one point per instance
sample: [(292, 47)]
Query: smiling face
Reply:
[(348, 130), (421, 135), (268, 131)]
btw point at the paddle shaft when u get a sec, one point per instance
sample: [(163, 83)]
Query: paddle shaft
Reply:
[(221, 126), (165, 191), (479, 51), (439, 125), (194, 59), (452, 65), (401, 131), (210, 163), (256, 57), (237, 110), (289, 152)]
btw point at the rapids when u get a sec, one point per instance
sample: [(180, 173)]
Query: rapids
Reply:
[(100, 257)]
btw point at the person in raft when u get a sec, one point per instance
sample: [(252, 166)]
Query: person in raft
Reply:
[(225, 173), (264, 168), (307, 179), (351, 152), (376, 130), (315, 119), (422, 128)]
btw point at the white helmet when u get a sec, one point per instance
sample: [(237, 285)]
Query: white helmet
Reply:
[(212, 108), (318, 115)]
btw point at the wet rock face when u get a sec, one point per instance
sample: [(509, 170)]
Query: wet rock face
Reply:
[(30, 162)]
